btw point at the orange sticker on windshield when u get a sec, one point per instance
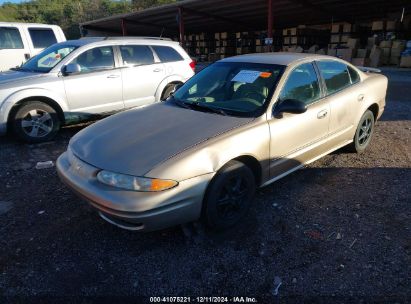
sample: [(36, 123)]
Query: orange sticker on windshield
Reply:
[(265, 74)]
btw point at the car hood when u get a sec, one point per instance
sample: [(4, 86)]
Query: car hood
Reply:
[(16, 76), (135, 141)]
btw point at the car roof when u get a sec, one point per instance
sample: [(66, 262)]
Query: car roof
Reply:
[(16, 24), (118, 40), (280, 58)]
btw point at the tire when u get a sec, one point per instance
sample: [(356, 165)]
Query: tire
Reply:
[(35, 122), (170, 88), (363, 134), (229, 196)]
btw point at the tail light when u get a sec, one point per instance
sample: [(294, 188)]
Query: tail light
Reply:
[(193, 65)]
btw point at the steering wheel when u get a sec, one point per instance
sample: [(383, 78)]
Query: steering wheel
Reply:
[(250, 100), (257, 96)]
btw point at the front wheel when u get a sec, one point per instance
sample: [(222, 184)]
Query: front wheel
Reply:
[(229, 196), (364, 133), (35, 122)]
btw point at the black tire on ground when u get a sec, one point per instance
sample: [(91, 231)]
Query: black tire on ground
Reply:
[(170, 88), (35, 122), (363, 134), (229, 196)]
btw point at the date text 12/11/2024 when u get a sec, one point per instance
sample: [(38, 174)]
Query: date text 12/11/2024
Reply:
[(203, 300)]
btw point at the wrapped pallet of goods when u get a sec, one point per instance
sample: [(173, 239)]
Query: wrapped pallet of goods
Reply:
[(375, 57), (398, 47), (346, 54), (377, 26), (406, 56), (361, 61)]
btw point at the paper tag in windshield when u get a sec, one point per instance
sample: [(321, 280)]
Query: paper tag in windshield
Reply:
[(246, 76)]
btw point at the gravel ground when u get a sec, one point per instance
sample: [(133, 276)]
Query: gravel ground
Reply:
[(336, 231)]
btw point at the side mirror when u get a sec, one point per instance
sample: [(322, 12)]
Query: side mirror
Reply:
[(71, 68), (293, 106)]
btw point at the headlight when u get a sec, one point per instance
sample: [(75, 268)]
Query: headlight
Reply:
[(135, 183)]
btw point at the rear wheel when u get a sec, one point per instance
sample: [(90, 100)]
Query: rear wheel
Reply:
[(169, 89), (364, 133), (229, 196), (35, 122)]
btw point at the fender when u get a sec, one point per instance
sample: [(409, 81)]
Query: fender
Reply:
[(165, 82), (19, 95), (212, 154)]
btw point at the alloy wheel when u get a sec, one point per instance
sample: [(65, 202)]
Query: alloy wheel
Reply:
[(37, 123), (232, 198), (365, 131)]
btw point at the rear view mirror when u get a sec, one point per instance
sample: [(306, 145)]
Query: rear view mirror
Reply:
[(71, 68), (293, 106)]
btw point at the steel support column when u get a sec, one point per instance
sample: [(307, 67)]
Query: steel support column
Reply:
[(181, 25), (123, 27), (270, 22)]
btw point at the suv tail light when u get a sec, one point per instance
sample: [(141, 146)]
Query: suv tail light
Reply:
[(193, 65)]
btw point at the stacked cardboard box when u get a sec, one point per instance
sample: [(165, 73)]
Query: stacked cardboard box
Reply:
[(346, 54), (362, 58), (375, 57), (397, 48), (386, 51), (378, 25), (405, 62)]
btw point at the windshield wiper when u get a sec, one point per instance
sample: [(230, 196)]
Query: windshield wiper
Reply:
[(208, 108), (198, 105), (181, 103), (23, 69)]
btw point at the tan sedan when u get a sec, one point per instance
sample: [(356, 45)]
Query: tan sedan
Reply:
[(241, 123)]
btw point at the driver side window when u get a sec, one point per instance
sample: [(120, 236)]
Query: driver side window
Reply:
[(100, 58), (302, 84)]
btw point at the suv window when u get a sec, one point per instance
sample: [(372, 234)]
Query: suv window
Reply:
[(136, 54), (42, 38), (100, 58), (302, 84), (167, 54), (335, 75), (353, 75), (10, 38)]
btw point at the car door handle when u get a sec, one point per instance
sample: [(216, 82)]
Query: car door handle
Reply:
[(322, 114), (157, 70), (113, 76), (361, 97)]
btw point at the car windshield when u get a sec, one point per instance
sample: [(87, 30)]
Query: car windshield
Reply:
[(47, 59), (230, 88)]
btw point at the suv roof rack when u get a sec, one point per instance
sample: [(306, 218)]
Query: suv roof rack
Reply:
[(136, 37)]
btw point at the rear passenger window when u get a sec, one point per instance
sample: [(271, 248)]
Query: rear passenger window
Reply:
[(335, 75), (42, 38), (302, 85), (10, 38), (353, 74), (167, 54), (136, 54)]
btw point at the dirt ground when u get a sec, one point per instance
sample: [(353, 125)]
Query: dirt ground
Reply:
[(336, 231)]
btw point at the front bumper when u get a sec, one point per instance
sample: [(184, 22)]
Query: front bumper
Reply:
[(131, 209)]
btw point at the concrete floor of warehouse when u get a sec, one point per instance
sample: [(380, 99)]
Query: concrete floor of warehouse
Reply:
[(338, 229)]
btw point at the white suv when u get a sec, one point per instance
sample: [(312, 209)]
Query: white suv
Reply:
[(73, 80), (21, 41)]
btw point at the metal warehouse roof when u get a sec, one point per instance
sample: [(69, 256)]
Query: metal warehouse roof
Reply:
[(244, 15)]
